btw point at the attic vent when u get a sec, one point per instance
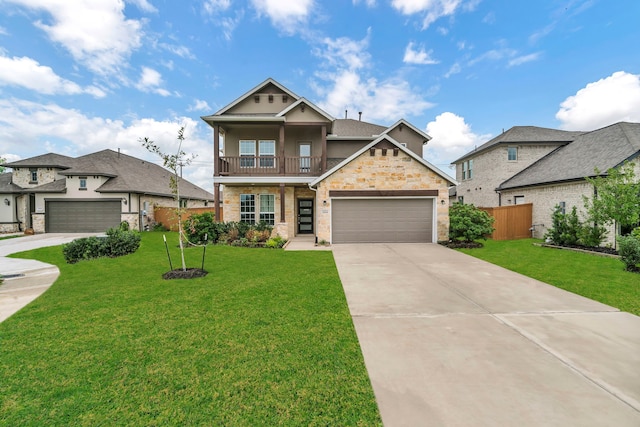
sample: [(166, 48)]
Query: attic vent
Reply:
[(285, 99), (256, 98), (270, 99)]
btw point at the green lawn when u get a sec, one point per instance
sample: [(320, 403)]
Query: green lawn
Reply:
[(265, 339), (600, 278)]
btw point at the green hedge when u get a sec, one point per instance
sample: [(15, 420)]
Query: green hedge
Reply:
[(118, 242)]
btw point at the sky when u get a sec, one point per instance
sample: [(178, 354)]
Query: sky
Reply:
[(79, 76)]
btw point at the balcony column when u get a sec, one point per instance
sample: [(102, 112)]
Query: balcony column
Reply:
[(323, 165), (281, 154), (216, 150), (216, 201)]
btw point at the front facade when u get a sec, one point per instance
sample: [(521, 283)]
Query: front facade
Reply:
[(91, 193), (292, 165)]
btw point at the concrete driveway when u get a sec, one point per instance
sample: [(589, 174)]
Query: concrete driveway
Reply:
[(449, 340)]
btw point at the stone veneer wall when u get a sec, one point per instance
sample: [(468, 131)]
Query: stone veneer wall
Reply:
[(22, 177), (380, 172)]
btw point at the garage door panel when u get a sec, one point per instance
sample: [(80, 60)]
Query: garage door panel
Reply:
[(81, 216), (382, 220)]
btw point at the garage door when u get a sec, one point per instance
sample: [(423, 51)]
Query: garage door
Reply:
[(81, 216), (382, 220)]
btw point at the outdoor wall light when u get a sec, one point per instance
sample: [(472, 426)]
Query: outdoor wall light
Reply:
[(324, 203), (7, 202), (124, 200), (442, 202)]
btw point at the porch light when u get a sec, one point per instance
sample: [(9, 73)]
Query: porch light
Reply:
[(7, 202), (442, 202)]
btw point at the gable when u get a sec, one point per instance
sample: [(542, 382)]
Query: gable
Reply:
[(269, 98)]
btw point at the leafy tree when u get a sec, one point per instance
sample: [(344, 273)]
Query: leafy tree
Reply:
[(2, 162), (173, 162), (468, 223), (616, 197)]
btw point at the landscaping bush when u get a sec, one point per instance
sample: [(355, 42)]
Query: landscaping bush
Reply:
[(199, 225), (636, 232), (629, 250), (275, 242), (468, 223), (566, 228), (227, 233), (118, 242), (592, 236)]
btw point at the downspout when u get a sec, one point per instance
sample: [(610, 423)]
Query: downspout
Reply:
[(499, 197)]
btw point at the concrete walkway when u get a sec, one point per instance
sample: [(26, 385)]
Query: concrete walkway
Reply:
[(449, 340), (25, 279)]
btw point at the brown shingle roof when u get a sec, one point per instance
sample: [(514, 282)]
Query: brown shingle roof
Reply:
[(49, 160), (602, 149), (525, 135), (350, 127)]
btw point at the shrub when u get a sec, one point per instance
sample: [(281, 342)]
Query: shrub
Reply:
[(118, 242), (275, 242), (592, 236), (468, 223), (566, 228), (636, 232), (199, 225), (629, 251)]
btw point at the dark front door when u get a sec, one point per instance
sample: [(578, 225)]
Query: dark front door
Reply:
[(305, 216)]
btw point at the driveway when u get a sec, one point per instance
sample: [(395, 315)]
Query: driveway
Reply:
[(26, 279), (450, 340)]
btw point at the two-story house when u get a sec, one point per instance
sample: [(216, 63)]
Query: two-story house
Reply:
[(287, 162), (59, 194), (483, 169)]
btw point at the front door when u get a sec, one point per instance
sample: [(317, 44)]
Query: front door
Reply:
[(304, 151), (305, 216)]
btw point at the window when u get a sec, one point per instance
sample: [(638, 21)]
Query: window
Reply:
[(512, 154), (248, 208), (518, 200), (304, 151), (268, 208), (470, 169), (183, 203), (248, 150), (464, 170), (267, 153), (562, 206), (461, 200), (34, 176), (83, 182)]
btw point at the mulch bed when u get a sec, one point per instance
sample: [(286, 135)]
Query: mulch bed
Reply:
[(461, 245), (189, 273)]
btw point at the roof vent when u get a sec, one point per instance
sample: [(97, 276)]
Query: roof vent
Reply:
[(359, 116)]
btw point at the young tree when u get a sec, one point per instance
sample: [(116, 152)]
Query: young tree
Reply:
[(616, 197), (173, 162), (2, 162)]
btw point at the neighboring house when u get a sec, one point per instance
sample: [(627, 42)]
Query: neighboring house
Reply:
[(545, 167), (91, 193), (287, 162), (558, 179), (482, 170)]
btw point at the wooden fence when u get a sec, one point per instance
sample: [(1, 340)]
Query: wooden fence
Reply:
[(168, 218), (512, 222)]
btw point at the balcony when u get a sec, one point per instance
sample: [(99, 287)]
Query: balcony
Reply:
[(269, 165)]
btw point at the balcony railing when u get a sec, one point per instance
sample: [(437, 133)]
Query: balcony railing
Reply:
[(270, 165)]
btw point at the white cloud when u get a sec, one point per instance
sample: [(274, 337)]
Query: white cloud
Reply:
[(182, 51), (344, 52), (214, 7), (144, 5), (523, 59), (455, 69), (286, 16), (28, 73), (612, 99), (39, 128), (369, 3), (150, 81), (432, 9), (419, 56), (96, 32), (451, 138), (385, 101), (199, 105)]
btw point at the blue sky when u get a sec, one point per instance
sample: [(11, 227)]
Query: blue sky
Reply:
[(78, 77)]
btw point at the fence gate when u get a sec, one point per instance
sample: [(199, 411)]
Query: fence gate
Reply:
[(511, 222)]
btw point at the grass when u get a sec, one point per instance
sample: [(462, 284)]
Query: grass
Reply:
[(11, 236), (600, 278), (265, 339)]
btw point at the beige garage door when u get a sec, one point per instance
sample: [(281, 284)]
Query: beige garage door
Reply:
[(385, 220), (81, 216)]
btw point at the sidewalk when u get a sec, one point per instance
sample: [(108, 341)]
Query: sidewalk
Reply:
[(26, 279)]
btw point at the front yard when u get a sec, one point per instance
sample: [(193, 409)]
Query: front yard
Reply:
[(265, 339), (599, 278)]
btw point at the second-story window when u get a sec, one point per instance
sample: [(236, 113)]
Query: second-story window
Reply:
[(470, 169), (464, 170), (83, 182), (267, 153), (34, 176), (247, 153), (512, 154)]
